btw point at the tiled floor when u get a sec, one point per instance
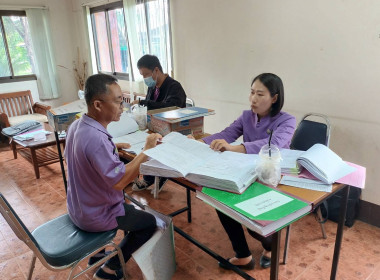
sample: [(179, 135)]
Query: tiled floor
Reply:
[(310, 256)]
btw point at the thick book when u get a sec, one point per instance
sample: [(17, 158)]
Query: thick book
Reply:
[(179, 156), (183, 114), (324, 164), (260, 208)]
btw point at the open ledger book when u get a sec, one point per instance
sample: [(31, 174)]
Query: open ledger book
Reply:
[(179, 156), (260, 208), (324, 164)]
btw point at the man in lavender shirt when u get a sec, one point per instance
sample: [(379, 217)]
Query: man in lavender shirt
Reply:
[(97, 177), (255, 125)]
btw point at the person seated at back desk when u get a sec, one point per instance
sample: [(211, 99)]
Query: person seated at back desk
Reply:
[(255, 125), (163, 91), (97, 177)]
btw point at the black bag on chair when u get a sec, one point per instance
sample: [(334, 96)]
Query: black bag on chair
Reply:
[(352, 206)]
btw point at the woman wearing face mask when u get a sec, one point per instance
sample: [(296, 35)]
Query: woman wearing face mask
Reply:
[(163, 91), (266, 101)]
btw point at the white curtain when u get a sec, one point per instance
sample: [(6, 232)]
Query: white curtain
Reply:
[(148, 30), (47, 78)]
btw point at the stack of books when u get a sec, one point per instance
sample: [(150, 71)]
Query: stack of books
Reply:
[(260, 208)]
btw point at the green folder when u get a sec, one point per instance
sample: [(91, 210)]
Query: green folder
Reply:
[(256, 189)]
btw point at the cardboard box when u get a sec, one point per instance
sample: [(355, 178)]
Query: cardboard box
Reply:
[(192, 126), (61, 117)]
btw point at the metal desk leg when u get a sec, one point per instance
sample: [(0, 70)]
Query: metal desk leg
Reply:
[(61, 159), (287, 240), (156, 187), (188, 199), (339, 232), (275, 256)]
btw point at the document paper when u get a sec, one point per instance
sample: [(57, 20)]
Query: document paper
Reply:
[(263, 203)]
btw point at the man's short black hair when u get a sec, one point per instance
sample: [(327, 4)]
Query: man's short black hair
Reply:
[(150, 62), (97, 85), (275, 86)]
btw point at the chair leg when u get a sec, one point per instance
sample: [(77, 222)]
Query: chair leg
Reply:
[(286, 247), (320, 219), (31, 268), (122, 262), (13, 147)]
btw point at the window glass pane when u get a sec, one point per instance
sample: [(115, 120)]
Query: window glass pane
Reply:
[(4, 66), (119, 40), (157, 31), (19, 44), (141, 29), (101, 41)]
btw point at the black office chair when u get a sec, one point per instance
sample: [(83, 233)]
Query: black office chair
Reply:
[(59, 244), (306, 135)]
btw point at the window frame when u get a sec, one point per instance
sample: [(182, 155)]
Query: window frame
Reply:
[(105, 8), (12, 78)]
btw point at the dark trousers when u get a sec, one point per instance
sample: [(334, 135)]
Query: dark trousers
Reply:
[(236, 234), (149, 179), (138, 227)]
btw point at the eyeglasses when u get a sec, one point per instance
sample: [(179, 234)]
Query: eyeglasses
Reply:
[(120, 104)]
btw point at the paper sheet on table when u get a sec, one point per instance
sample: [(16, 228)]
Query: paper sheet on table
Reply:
[(356, 178), (306, 183)]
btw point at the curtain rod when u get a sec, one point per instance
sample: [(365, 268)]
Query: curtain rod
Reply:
[(21, 8), (95, 2)]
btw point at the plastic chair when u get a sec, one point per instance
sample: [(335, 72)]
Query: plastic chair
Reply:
[(189, 102), (59, 244), (306, 135)]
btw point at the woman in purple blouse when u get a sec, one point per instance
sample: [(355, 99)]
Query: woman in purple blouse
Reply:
[(266, 101)]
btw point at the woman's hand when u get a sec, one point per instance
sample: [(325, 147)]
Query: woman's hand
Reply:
[(220, 145)]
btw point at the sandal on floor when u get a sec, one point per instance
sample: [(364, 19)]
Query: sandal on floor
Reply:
[(248, 266)]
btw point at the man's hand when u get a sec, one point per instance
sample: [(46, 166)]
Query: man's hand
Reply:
[(151, 141), (135, 102), (123, 146)]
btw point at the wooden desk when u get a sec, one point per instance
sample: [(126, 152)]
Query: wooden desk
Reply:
[(38, 153), (314, 197)]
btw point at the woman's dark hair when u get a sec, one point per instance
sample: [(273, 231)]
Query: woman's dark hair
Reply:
[(274, 84), (150, 62), (97, 85)]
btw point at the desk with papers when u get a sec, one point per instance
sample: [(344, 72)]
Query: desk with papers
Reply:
[(314, 197)]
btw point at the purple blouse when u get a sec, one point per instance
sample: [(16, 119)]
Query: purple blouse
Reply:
[(93, 167), (255, 134)]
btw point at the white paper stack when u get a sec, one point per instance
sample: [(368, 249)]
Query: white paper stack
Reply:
[(324, 164), (289, 163)]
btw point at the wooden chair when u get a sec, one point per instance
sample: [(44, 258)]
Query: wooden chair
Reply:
[(16, 107)]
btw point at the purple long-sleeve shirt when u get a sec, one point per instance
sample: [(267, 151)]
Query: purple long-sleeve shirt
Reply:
[(255, 134)]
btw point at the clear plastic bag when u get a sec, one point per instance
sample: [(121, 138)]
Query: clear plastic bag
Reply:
[(139, 115), (268, 168)]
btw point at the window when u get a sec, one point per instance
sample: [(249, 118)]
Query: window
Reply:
[(16, 51), (153, 30), (112, 49), (111, 45)]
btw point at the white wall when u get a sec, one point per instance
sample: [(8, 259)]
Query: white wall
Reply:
[(326, 52), (64, 42)]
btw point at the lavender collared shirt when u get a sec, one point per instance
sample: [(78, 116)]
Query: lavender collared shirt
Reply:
[(255, 134), (93, 167)]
